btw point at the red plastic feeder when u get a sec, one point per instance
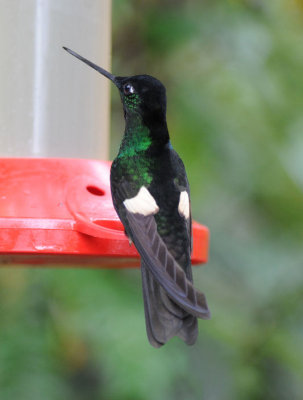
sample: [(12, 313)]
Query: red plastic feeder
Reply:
[(59, 211)]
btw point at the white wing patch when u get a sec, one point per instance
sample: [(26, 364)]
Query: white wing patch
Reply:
[(183, 207), (143, 203)]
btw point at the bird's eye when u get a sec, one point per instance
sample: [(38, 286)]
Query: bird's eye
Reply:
[(128, 89)]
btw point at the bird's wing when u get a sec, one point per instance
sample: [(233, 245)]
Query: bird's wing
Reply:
[(162, 265)]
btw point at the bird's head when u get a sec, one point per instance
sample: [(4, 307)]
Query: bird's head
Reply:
[(141, 95)]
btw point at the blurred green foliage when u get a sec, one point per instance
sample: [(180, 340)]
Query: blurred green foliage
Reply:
[(233, 72)]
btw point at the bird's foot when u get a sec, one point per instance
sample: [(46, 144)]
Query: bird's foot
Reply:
[(129, 239)]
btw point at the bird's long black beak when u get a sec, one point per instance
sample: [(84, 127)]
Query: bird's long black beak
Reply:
[(96, 67)]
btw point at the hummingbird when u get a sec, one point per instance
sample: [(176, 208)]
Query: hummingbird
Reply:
[(150, 193)]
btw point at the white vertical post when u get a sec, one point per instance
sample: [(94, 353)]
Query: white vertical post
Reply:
[(52, 105)]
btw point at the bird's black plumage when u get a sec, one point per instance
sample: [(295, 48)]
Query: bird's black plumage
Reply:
[(150, 193)]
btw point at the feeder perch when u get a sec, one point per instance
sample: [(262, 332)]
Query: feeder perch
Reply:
[(59, 211)]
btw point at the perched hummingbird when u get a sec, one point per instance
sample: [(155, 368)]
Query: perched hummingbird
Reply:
[(150, 193)]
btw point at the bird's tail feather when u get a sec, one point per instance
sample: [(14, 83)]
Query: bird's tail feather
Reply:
[(164, 318)]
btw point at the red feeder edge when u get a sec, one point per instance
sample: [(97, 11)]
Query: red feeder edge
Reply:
[(60, 211)]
